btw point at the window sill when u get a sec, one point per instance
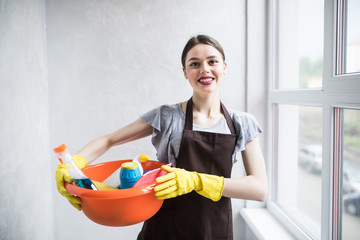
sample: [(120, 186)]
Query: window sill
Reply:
[(263, 224)]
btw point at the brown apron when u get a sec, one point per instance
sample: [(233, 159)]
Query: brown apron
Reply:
[(192, 216)]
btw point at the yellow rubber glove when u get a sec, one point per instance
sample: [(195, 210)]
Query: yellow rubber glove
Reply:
[(63, 176), (179, 181)]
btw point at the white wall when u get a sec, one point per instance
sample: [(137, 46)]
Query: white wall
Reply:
[(256, 68), (26, 209), (107, 63)]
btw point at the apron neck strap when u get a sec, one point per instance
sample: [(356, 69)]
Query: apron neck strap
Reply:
[(189, 116)]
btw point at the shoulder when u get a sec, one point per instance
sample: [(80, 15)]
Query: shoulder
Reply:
[(169, 110), (163, 116), (241, 118), (165, 109), (246, 128), (244, 123)]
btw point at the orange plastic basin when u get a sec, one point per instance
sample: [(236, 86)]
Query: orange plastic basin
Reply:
[(117, 207)]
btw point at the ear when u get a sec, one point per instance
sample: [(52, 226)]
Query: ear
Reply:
[(184, 73), (225, 66)]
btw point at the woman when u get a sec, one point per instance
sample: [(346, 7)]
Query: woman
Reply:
[(200, 137)]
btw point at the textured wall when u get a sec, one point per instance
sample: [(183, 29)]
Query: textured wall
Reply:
[(110, 61), (25, 196)]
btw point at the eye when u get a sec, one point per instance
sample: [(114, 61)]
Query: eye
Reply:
[(194, 64), (213, 61)]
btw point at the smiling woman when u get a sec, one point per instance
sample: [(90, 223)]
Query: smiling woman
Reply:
[(95, 66), (200, 138), (110, 61)]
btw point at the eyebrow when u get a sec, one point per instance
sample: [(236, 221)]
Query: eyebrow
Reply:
[(209, 57)]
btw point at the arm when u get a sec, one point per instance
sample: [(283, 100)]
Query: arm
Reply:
[(253, 186), (95, 149), (133, 131)]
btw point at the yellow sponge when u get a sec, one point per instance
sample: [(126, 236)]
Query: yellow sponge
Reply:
[(102, 186)]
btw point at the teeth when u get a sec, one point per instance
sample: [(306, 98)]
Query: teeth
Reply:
[(206, 80)]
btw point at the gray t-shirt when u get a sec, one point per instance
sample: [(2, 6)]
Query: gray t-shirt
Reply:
[(168, 122)]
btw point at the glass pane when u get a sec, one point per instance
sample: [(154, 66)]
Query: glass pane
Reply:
[(299, 164), (300, 44), (351, 174), (353, 37)]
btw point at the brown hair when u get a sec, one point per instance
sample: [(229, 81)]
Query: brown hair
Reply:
[(201, 39)]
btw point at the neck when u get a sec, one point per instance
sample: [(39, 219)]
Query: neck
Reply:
[(206, 104)]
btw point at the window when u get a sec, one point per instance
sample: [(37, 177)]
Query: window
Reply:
[(350, 173), (301, 33), (351, 36), (299, 164), (314, 117)]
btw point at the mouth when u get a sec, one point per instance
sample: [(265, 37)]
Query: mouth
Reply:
[(206, 80)]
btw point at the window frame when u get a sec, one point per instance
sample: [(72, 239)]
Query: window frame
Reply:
[(338, 91)]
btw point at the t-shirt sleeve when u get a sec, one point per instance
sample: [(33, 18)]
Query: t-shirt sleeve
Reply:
[(247, 128), (153, 118), (160, 119)]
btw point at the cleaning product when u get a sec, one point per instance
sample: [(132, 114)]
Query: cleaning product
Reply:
[(129, 174), (103, 187), (149, 177), (114, 179), (80, 179), (140, 159)]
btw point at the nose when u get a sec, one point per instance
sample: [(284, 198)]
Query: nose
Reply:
[(205, 68)]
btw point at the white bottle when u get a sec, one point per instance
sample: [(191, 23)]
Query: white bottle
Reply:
[(140, 159)]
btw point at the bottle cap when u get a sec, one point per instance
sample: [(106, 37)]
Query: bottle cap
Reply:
[(60, 148), (129, 165), (143, 158)]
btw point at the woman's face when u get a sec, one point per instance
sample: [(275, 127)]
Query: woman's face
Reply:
[(204, 68)]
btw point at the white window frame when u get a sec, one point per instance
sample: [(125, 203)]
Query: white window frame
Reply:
[(338, 91)]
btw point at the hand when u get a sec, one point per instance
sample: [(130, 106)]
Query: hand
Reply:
[(179, 181), (63, 176)]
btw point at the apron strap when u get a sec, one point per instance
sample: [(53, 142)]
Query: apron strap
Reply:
[(189, 116), (228, 119)]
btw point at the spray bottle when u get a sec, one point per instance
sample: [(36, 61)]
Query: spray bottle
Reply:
[(140, 159), (80, 179)]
